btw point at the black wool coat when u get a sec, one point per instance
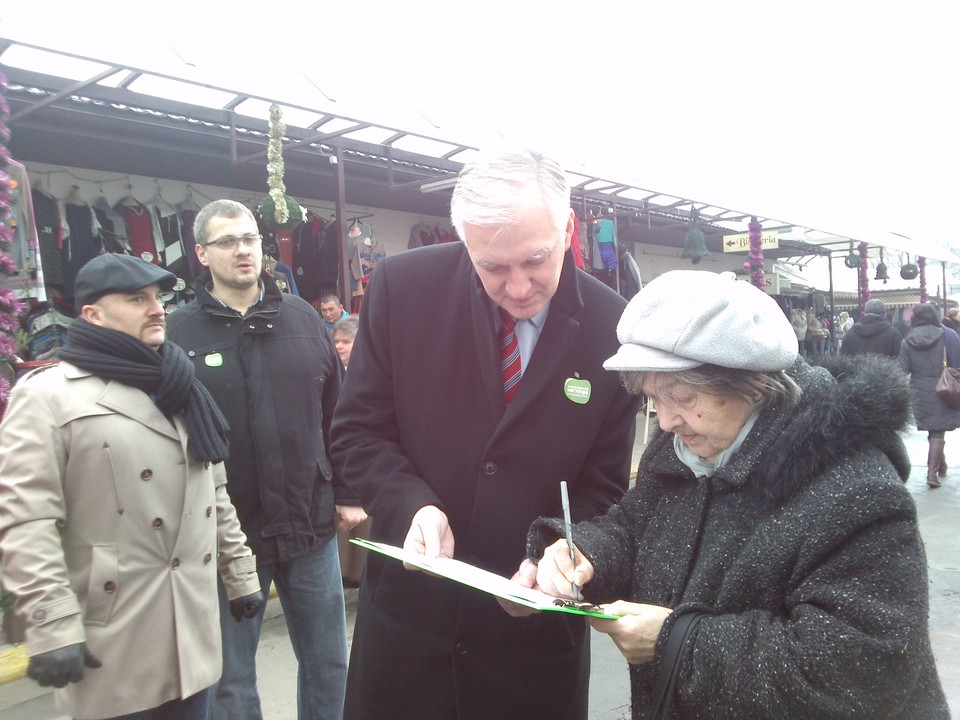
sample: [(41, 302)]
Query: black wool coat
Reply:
[(922, 355), (421, 421), (803, 551), (872, 334)]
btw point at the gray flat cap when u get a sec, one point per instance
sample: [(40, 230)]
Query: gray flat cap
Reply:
[(687, 318)]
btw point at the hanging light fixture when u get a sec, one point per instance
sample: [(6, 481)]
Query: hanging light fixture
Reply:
[(882, 270), (695, 245), (852, 260)]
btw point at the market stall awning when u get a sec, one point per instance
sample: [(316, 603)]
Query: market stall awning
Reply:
[(893, 299), (90, 111)]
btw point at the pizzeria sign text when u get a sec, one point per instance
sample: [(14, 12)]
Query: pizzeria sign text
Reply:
[(741, 242)]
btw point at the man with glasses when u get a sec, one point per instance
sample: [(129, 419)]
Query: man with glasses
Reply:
[(272, 368)]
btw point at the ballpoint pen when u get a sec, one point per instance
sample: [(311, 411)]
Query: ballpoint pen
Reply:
[(565, 502)]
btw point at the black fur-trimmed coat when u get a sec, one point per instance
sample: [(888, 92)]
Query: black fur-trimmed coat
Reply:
[(803, 550)]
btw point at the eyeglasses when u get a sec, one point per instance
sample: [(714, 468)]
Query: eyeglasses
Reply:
[(230, 242)]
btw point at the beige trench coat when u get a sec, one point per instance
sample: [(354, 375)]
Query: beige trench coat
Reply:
[(110, 533)]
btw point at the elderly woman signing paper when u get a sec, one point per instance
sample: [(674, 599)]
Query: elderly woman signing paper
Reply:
[(767, 564)]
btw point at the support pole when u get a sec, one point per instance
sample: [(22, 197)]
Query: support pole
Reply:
[(833, 316), (943, 310), (340, 207)]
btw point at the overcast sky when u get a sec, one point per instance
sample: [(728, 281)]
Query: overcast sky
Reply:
[(839, 116)]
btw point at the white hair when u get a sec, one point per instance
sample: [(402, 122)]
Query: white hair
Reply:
[(494, 190)]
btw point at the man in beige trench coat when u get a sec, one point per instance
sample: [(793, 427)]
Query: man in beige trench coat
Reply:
[(114, 516)]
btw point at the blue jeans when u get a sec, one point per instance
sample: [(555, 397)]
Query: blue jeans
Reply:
[(311, 594), (194, 707)]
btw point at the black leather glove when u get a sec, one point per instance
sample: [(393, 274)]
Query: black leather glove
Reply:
[(61, 666), (247, 606)]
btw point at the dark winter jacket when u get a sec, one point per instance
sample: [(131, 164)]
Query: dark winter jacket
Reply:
[(276, 376), (803, 551), (922, 356), (873, 334)]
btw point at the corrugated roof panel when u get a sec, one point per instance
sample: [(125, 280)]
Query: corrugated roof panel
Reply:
[(51, 63), (296, 117), (180, 91)]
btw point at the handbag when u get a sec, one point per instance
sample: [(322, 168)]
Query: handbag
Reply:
[(948, 386)]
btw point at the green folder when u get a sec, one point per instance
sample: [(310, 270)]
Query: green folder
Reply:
[(485, 581)]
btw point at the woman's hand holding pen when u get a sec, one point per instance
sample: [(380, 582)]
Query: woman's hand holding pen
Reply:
[(553, 575), (556, 574)]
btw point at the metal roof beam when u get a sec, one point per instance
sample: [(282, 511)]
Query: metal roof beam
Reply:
[(320, 138), (67, 91)]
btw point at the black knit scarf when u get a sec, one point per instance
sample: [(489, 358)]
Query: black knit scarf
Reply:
[(167, 376)]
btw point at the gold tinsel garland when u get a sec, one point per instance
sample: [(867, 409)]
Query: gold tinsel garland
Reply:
[(275, 166)]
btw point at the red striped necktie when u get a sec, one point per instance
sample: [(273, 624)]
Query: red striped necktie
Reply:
[(509, 355)]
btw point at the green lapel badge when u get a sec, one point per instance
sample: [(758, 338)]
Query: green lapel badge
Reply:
[(577, 390), (213, 360)]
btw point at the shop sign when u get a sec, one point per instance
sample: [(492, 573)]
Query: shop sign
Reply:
[(773, 283), (741, 242)]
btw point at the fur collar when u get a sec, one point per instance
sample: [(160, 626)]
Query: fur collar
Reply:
[(848, 404)]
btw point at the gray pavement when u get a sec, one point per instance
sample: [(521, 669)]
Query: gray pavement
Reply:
[(939, 513)]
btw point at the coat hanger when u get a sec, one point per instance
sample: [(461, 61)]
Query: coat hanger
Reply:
[(101, 203), (128, 200), (74, 197), (189, 204), (159, 202), (38, 186)]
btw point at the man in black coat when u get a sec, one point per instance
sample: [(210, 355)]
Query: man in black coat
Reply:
[(873, 333), (271, 366), (447, 466)]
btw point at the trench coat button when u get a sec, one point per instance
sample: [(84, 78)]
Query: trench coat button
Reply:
[(146, 474), (109, 587), (209, 511), (175, 563), (191, 353), (252, 326), (490, 468), (460, 648), (270, 326), (207, 558), (39, 616), (61, 523), (157, 523)]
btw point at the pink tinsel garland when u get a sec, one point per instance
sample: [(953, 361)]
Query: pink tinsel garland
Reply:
[(863, 278), (756, 254), (11, 307), (922, 264)]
